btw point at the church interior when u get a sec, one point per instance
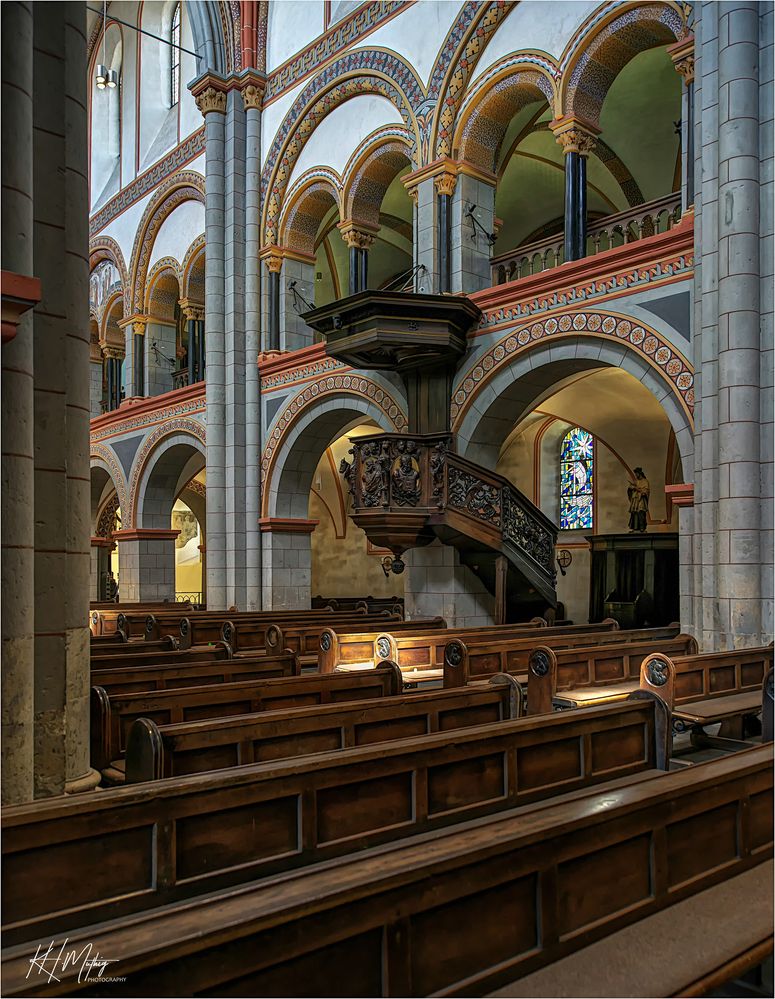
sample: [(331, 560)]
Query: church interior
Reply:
[(387, 498)]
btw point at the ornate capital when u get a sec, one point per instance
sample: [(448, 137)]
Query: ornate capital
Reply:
[(191, 310), (210, 100), (682, 54), (445, 183), (274, 263), (138, 327), (574, 136), (113, 353), (356, 238), (414, 194), (252, 97)]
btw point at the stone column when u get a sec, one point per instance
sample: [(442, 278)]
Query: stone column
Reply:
[(99, 565), (157, 344), (425, 232), (682, 54), (62, 550), (273, 262), (359, 238), (577, 141), (17, 514), (437, 583), (95, 379), (287, 562), (212, 104), (138, 359), (472, 230), (147, 564), (297, 296)]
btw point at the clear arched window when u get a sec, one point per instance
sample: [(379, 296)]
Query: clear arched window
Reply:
[(175, 57), (577, 459)]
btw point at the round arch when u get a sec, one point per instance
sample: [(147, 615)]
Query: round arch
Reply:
[(184, 186), (484, 415), (193, 271), (489, 107), (371, 173), (104, 248), (105, 468), (308, 201), (167, 460), (373, 72), (308, 426), (603, 47)]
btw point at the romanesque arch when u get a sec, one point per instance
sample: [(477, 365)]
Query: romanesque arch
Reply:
[(372, 171), (310, 199), (166, 461)]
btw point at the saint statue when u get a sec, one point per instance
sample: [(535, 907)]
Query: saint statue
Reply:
[(406, 482), (638, 493)]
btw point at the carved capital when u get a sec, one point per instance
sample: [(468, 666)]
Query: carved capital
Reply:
[(113, 353), (274, 263), (191, 310), (138, 327), (682, 54), (575, 135), (356, 238), (252, 97), (445, 183), (414, 194), (210, 100)]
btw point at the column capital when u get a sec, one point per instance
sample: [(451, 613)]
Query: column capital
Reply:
[(445, 183), (357, 235), (682, 54), (144, 534), (574, 135), (210, 100), (253, 89), (137, 323), (19, 294), (115, 353), (273, 259), (192, 310)]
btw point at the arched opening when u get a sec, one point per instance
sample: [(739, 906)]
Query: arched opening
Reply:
[(561, 417), (191, 362), (113, 387), (164, 333), (106, 517), (105, 122), (171, 518)]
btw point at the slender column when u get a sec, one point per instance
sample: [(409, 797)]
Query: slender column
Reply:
[(17, 516), (212, 104), (577, 141), (201, 342), (95, 378), (274, 264), (138, 357), (358, 240), (252, 95), (445, 187), (109, 370), (682, 54), (193, 350), (147, 561)]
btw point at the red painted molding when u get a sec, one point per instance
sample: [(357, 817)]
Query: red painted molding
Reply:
[(681, 494), (19, 294), (595, 268), (286, 525), (145, 534), (102, 543), (136, 405), (271, 363)]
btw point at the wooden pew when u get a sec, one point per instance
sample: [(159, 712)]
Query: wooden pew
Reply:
[(271, 683), (122, 647), (371, 604), (196, 747), (187, 835), (591, 675), (479, 656), (702, 690), (298, 631), (104, 620), (424, 650), (168, 622), (137, 658)]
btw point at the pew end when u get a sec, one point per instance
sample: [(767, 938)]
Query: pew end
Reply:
[(541, 680), (767, 706), (455, 657), (516, 693), (144, 752)]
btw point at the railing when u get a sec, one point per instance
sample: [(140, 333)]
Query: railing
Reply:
[(614, 230), (407, 487), (192, 597), (180, 378)]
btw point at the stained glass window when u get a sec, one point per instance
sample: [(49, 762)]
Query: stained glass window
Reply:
[(175, 57), (576, 477)]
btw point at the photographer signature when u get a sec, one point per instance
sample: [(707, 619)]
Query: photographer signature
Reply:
[(49, 961)]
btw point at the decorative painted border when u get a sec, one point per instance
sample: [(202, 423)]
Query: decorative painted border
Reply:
[(345, 384), (638, 336), (363, 21), (282, 378), (679, 265), (148, 419), (136, 189), (168, 429)]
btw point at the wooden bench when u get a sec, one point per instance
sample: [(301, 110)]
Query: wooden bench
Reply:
[(370, 604), (424, 650), (703, 690), (188, 835), (195, 747), (272, 683), (460, 913), (115, 646), (104, 620), (591, 675), (135, 657), (479, 656), (157, 625)]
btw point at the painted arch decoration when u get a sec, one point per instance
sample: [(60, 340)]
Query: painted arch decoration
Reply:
[(103, 456), (660, 355), (171, 428)]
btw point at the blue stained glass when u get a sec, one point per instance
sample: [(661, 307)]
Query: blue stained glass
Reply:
[(576, 480)]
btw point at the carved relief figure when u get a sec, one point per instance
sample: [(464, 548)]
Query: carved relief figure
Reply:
[(406, 482), (638, 493), (373, 475)]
